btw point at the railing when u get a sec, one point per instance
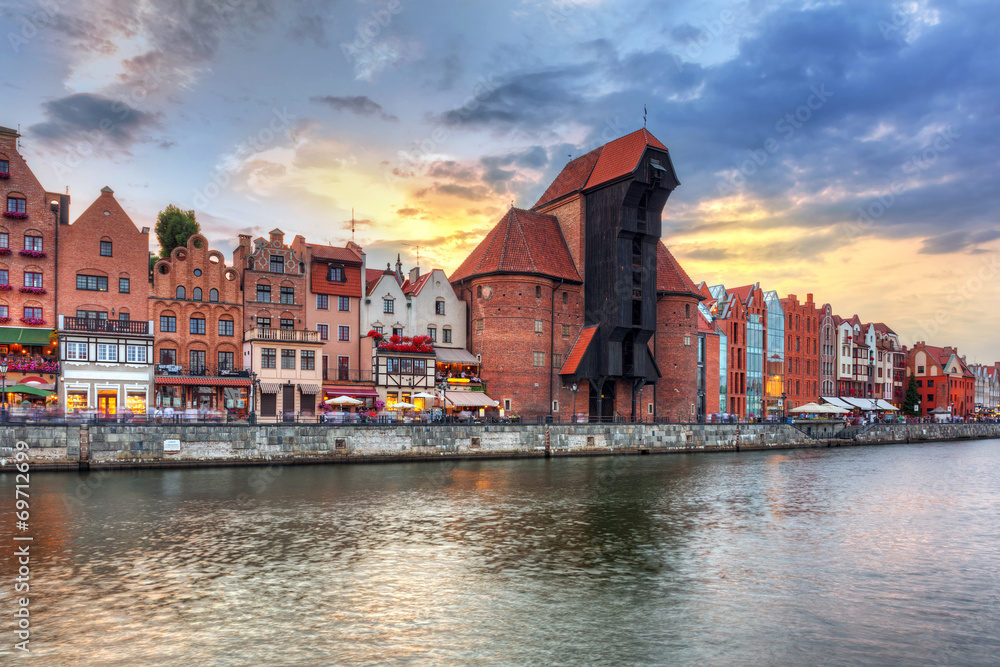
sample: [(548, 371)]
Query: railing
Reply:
[(137, 327), (201, 370), (346, 375), (286, 335)]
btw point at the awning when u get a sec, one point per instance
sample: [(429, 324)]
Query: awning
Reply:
[(201, 380), (833, 400), (454, 355), (580, 348), (25, 389), (475, 399), (886, 405), (24, 336), (309, 388), (270, 387), (334, 390)]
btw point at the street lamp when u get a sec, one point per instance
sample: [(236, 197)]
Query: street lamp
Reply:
[(252, 413), (574, 389), (784, 405), (444, 400), (3, 388)]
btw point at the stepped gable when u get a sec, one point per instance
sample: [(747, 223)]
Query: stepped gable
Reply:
[(522, 242), (602, 165), (671, 276)]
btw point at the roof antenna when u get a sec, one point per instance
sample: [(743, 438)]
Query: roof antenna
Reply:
[(352, 224), (644, 116)]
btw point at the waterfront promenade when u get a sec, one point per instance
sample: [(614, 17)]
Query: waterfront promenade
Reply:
[(83, 446)]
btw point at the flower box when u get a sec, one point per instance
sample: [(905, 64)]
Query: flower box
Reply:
[(4, 320), (32, 321), (15, 215), (34, 290), (420, 344), (4, 251), (4, 175), (31, 253), (5, 288)]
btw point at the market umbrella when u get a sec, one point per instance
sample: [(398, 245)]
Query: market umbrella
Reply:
[(424, 394), (25, 389), (343, 400), (809, 407), (402, 405)]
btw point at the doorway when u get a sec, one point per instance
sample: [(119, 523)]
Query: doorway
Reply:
[(107, 401)]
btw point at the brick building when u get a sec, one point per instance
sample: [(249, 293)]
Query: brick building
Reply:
[(28, 240), (827, 351), (802, 351), (278, 346), (196, 305), (105, 337), (741, 313), (711, 376), (678, 395), (944, 381)]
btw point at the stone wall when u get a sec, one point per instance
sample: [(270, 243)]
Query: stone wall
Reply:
[(143, 445)]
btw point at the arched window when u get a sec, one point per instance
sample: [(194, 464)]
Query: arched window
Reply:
[(479, 291), (538, 291), (196, 294), (181, 293), (213, 295), (439, 307)]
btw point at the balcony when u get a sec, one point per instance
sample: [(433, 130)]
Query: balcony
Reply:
[(134, 327), (26, 363), (201, 370), (346, 375), (282, 335)]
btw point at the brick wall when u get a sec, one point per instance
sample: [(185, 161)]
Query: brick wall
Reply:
[(676, 354), (802, 357), (572, 219)]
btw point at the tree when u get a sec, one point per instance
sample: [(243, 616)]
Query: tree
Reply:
[(911, 399), (173, 229)]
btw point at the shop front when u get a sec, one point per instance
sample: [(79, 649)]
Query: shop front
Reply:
[(203, 397)]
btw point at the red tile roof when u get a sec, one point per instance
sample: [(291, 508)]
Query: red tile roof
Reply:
[(579, 349), (372, 276), (334, 254), (671, 276), (744, 292), (883, 328), (601, 165), (621, 156), (414, 288), (704, 326), (522, 242)]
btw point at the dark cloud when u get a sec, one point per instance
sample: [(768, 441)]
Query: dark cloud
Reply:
[(100, 120), (471, 192), (958, 241), (360, 105), (408, 212)]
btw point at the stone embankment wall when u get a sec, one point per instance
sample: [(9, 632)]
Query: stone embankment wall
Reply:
[(144, 445)]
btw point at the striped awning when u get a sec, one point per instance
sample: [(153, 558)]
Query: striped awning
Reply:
[(309, 388), (472, 399), (203, 381), (270, 387)]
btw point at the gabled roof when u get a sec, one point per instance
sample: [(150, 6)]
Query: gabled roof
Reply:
[(602, 165), (744, 292), (334, 254), (579, 349), (522, 242), (704, 326), (883, 328), (373, 277), (415, 287), (671, 276)]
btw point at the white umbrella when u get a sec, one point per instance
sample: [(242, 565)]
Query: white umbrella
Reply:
[(424, 394), (809, 407), (402, 405), (343, 400)]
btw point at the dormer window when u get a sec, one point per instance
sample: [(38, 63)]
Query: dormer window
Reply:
[(277, 264), (336, 274)]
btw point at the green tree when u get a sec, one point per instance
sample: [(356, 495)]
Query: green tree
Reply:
[(911, 399), (173, 229)]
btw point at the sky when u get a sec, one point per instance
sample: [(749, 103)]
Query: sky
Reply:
[(843, 149)]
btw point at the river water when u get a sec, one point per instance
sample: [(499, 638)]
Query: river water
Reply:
[(863, 555)]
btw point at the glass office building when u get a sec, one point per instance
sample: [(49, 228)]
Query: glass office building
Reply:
[(774, 365)]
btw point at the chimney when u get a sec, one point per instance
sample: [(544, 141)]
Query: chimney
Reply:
[(809, 298), (793, 297), (277, 235), (414, 274)]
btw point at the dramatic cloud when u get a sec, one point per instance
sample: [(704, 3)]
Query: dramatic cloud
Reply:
[(360, 105), (98, 119)]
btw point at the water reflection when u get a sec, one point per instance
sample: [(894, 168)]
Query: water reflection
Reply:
[(867, 555)]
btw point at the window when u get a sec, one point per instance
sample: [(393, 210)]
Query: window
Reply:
[(124, 285), (479, 324), (538, 358), (920, 369), (277, 264), (324, 331), (16, 205), (264, 293), (506, 404), (930, 398), (4, 240), (446, 335), (4, 277), (264, 322), (397, 331), (439, 307), (687, 341), (34, 279), (392, 365), (557, 360), (135, 354), (479, 291), (565, 297), (196, 360), (286, 323), (168, 323), (92, 315), (226, 361), (92, 283), (226, 327), (287, 295), (288, 359), (308, 360), (920, 383), (388, 306), (343, 333), (336, 274), (555, 406), (930, 383), (267, 357), (105, 248), (33, 243), (344, 304), (378, 328), (76, 351), (107, 352), (32, 312), (123, 317), (196, 294), (4, 167), (565, 330), (168, 357), (687, 310), (432, 333), (538, 291), (539, 326), (322, 302), (198, 325), (213, 295)]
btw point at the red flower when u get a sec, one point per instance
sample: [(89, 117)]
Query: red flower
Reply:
[(16, 215)]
